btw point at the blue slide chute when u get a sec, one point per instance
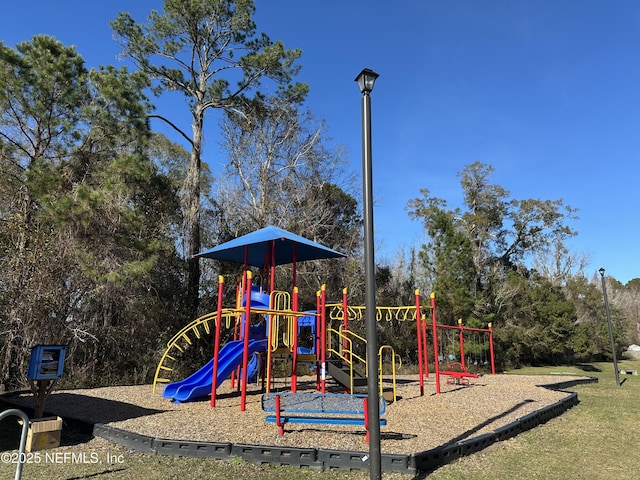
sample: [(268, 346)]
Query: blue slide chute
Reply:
[(198, 384)]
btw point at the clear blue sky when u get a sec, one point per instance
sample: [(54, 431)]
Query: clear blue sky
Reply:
[(546, 91)]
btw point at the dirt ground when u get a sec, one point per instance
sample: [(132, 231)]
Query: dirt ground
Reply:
[(415, 423)]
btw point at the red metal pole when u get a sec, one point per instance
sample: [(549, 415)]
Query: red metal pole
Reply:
[(366, 417), (216, 343), (493, 365), (294, 355), (419, 333), (272, 267), (269, 366), (237, 334), (278, 418), (266, 267), (295, 268), (323, 326), (245, 353), (434, 325), (318, 343), (236, 325), (462, 362)]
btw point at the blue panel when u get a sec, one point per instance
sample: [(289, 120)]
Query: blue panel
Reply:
[(46, 362)]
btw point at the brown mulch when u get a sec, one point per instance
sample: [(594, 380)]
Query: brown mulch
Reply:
[(414, 423)]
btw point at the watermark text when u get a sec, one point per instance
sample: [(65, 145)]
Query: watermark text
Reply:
[(62, 457)]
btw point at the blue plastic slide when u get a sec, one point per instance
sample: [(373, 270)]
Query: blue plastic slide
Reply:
[(198, 384)]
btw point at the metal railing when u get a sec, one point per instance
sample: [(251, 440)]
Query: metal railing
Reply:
[(345, 351), (23, 438), (393, 369)]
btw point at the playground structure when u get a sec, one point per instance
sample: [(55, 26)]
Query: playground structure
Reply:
[(268, 328), (331, 347), (271, 335), (456, 370)]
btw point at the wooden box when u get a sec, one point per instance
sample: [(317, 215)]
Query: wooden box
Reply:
[(44, 433)]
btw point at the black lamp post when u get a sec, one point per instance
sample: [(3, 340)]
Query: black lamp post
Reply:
[(613, 346), (366, 78)]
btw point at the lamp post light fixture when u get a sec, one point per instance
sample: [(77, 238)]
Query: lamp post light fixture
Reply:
[(366, 78), (613, 346)]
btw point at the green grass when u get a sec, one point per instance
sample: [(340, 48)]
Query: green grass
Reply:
[(596, 439)]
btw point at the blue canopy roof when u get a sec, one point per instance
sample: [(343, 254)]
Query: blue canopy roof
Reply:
[(256, 246)]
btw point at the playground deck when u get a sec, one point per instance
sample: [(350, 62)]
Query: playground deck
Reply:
[(414, 423)]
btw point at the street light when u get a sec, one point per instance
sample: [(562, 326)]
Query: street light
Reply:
[(613, 346), (366, 78)]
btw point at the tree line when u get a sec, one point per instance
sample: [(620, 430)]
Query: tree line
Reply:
[(504, 261), (101, 215)]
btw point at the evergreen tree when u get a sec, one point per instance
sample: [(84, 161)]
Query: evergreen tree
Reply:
[(193, 48), (87, 253), (479, 256)]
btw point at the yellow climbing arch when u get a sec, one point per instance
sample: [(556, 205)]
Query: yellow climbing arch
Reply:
[(195, 330)]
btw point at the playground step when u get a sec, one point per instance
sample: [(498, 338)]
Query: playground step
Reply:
[(282, 356), (341, 374), (306, 357)]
